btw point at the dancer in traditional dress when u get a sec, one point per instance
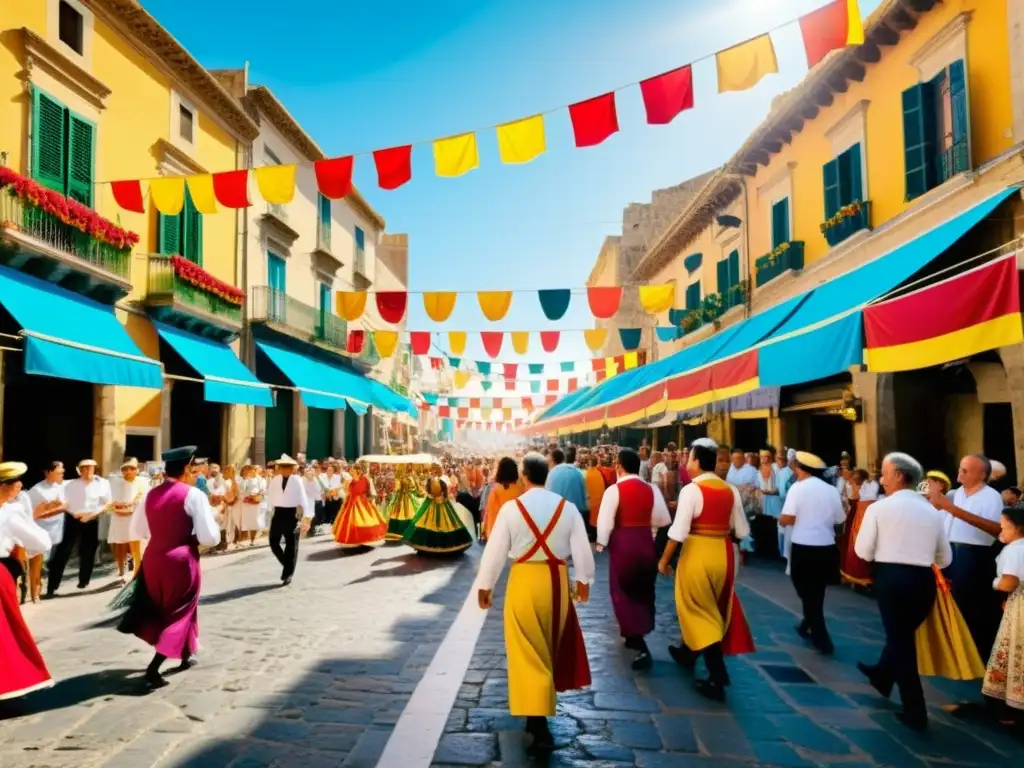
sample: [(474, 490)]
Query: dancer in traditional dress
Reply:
[(359, 523), (127, 492), (22, 669), (508, 487), (251, 489), (165, 608), (403, 503), (539, 532), (862, 495), (438, 527), (709, 518), (1004, 678), (630, 512)]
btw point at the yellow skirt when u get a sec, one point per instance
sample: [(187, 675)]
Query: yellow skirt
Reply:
[(700, 578), (528, 638), (945, 647)]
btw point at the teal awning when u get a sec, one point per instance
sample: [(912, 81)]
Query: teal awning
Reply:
[(320, 384), (225, 377), (72, 337)]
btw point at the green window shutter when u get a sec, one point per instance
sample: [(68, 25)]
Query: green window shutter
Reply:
[(49, 144), (81, 158), (917, 146), (780, 222), (169, 235), (693, 296), (830, 172), (325, 221), (360, 239), (734, 268), (192, 231), (723, 278), (851, 186), (960, 110)]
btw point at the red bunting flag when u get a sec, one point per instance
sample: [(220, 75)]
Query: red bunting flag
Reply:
[(528, 404), (420, 342), (334, 176), (492, 342), (604, 302), (665, 96), (356, 339), (444, 411), (597, 364), (550, 399), (594, 120), (552, 385), (232, 188), (463, 413), (496, 403), (391, 305), (549, 340), (573, 385), (394, 166), (128, 195), (830, 28), (436, 363), (601, 375), (474, 402), (510, 370), (510, 385)]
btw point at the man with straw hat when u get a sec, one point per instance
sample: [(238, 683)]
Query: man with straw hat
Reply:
[(127, 491), (88, 496), (292, 508)]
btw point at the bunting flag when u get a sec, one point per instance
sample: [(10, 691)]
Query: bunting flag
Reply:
[(510, 370), (630, 361), (494, 304), (667, 333), (394, 166), (232, 188), (436, 364), (604, 302), (463, 413), (350, 305), (510, 385), (439, 304), (474, 402), (168, 194), (486, 385), (521, 141), (492, 342), (595, 338), (520, 342), (572, 385), (276, 183), (456, 343), (743, 66), (200, 190), (456, 155), (568, 367), (128, 195), (830, 28), (594, 120), (549, 340), (555, 303), (536, 369), (334, 176), (535, 387), (391, 305), (657, 298), (386, 342), (419, 342), (483, 367), (729, 378), (980, 311), (665, 96), (630, 337), (356, 339), (506, 414), (461, 379), (444, 411), (527, 404), (552, 385)]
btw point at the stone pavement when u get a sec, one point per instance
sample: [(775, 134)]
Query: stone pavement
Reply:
[(315, 674), (787, 705)]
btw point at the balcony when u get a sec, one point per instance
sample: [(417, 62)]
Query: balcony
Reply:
[(184, 295), (274, 220), (849, 220), (297, 319), (61, 241), (787, 256), (359, 265), (956, 159)]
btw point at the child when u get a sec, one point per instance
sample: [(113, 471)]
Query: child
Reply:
[(1004, 678)]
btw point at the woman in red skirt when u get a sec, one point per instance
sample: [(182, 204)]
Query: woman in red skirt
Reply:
[(22, 669)]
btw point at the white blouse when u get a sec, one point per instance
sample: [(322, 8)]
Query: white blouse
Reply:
[(691, 505), (817, 510), (197, 506), (18, 529), (660, 516), (87, 498), (1011, 561)]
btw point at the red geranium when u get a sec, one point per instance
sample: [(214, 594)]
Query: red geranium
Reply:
[(195, 275)]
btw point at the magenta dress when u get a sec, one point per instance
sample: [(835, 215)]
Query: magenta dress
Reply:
[(166, 612)]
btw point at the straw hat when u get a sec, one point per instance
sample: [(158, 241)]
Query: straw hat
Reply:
[(86, 463), (12, 470), (809, 460), (131, 463), (942, 477), (286, 461)]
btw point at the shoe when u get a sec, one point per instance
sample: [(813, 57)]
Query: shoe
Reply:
[(642, 661), (825, 647), (871, 673), (186, 664), (50, 596), (918, 723), (630, 644), (538, 728), (155, 680), (286, 581), (709, 690), (683, 657), (83, 586), (804, 630)]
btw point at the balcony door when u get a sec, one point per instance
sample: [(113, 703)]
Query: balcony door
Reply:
[(276, 288)]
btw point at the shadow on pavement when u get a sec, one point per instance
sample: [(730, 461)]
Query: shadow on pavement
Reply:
[(237, 594), (76, 690)]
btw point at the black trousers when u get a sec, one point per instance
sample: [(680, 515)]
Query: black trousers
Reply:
[(331, 509), (970, 576), (714, 659), (905, 595), (813, 570), (86, 535), (284, 528)]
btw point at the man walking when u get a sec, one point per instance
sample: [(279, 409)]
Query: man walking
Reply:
[(292, 511)]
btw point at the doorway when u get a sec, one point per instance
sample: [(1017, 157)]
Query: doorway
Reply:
[(749, 435), (997, 439), (195, 420)]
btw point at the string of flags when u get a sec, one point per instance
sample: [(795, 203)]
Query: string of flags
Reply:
[(486, 426), (833, 26), (602, 366)]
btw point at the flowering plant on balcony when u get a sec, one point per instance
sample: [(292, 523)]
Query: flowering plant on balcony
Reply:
[(773, 258), (846, 212), (195, 275), (68, 211)]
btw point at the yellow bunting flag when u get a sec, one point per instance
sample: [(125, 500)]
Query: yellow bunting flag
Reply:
[(461, 379), (456, 155), (520, 341), (742, 66), (439, 304), (276, 183), (522, 141), (386, 342), (485, 414), (350, 304), (168, 194), (457, 342), (200, 189), (631, 359), (507, 413), (595, 338), (494, 304), (611, 368), (657, 298)]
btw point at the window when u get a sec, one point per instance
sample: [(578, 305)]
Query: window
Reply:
[(843, 181), (728, 274), (323, 234), (325, 298), (935, 130), (277, 284), (182, 235), (63, 148), (186, 124), (71, 27), (360, 239), (693, 296), (780, 222)]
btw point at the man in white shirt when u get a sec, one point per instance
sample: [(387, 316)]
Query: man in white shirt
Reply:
[(903, 535), (815, 511), (88, 496), (546, 654), (292, 510), (973, 526)]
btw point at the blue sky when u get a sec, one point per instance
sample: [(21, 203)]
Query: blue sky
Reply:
[(365, 76)]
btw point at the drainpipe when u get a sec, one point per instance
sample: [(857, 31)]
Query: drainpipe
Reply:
[(746, 239)]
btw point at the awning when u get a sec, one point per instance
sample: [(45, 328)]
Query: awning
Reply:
[(225, 377), (72, 337), (385, 398), (320, 384)]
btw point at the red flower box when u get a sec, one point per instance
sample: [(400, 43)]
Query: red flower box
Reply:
[(195, 275)]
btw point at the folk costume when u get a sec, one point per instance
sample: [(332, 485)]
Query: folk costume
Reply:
[(630, 512), (539, 532), (402, 505), (1004, 678), (496, 499), (22, 669), (286, 495), (359, 523), (126, 497), (437, 526)]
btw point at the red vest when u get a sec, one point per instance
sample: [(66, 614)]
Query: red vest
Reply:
[(636, 504)]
